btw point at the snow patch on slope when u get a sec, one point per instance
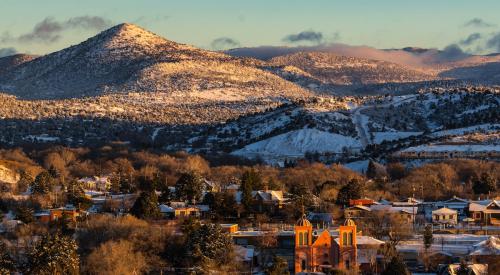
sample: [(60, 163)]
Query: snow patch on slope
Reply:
[(297, 144)]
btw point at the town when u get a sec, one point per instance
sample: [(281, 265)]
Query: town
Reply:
[(114, 211), (249, 137)]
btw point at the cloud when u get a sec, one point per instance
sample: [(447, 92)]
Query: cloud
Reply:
[(49, 30), (422, 58), (494, 42), (478, 23), (471, 39), (451, 53), (7, 51), (307, 36), (222, 43)]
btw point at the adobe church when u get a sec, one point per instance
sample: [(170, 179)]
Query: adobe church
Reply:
[(325, 252)]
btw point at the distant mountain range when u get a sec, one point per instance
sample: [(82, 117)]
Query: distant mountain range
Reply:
[(127, 58), (127, 84)]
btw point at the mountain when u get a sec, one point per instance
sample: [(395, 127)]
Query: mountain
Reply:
[(411, 57), (127, 58), (8, 63), (329, 68)]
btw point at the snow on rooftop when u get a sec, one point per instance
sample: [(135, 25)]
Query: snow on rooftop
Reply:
[(491, 246)]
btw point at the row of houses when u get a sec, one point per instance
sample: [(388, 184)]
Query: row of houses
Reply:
[(443, 151), (449, 212)]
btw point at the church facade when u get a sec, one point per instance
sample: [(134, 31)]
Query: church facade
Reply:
[(325, 252)]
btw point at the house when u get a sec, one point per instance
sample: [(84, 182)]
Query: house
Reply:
[(405, 213), (269, 201), (488, 252), (455, 203), (363, 202), (96, 183), (472, 269), (445, 216), (181, 210), (370, 254), (485, 213), (357, 212), (320, 219), (230, 227), (68, 211)]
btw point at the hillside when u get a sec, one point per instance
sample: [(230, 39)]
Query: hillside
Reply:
[(8, 63), (127, 58), (329, 68)]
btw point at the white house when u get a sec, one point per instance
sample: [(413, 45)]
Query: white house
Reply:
[(445, 216), (96, 183)]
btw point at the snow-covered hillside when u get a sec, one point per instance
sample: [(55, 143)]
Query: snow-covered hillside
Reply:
[(328, 68), (296, 144), (127, 58)]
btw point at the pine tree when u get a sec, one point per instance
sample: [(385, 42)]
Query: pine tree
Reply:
[(246, 196), (24, 214), (371, 170), (279, 267), (353, 190), (252, 178), (189, 187), (54, 254), (146, 206), (75, 194), (25, 180), (428, 237), (395, 267), (210, 242), (42, 183), (485, 184)]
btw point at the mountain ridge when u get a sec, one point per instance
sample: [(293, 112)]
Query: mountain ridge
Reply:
[(125, 58)]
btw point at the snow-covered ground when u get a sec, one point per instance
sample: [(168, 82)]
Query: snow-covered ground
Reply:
[(379, 137), (486, 128), (296, 144), (359, 166), (461, 244)]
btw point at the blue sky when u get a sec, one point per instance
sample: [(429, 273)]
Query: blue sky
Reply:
[(380, 24)]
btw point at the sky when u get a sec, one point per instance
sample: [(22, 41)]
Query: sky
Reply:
[(40, 27)]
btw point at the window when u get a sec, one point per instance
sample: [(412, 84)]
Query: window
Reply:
[(344, 238), (306, 238), (349, 238), (301, 239)]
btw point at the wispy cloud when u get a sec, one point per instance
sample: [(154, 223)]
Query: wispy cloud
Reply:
[(223, 43), (304, 36), (7, 51), (49, 30), (494, 42), (471, 39), (478, 23)]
